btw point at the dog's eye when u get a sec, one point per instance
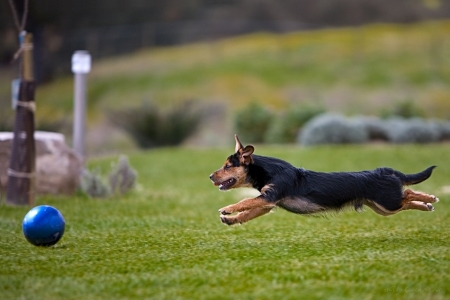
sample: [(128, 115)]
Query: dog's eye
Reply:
[(226, 167)]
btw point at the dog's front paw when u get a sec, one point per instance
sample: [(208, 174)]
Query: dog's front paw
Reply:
[(227, 220), (225, 210)]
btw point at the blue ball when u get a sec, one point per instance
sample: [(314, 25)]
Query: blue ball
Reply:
[(43, 226)]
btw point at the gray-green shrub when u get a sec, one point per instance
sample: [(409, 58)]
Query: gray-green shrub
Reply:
[(336, 129), (151, 127), (284, 127), (123, 177), (330, 128), (93, 185), (415, 130), (444, 129), (376, 128), (252, 122), (404, 109)]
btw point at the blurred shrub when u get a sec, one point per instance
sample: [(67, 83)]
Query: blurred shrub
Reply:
[(122, 179), (336, 129), (415, 130), (55, 125), (7, 118), (375, 127), (6, 121), (151, 127), (252, 122), (284, 128), (444, 128), (93, 185), (332, 128), (404, 109)]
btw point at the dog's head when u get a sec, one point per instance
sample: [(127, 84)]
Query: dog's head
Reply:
[(233, 173)]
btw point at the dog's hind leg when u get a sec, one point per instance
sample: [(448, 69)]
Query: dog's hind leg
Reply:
[(410, 200), (245, 216), (418, 200), (418, 205), (410, 195)]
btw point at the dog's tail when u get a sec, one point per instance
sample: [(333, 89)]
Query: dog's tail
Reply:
[(409, 179)]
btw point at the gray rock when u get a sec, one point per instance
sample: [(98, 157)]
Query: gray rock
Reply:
[(58, 167)]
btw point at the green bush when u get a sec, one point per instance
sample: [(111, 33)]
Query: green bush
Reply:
[(403, 109), (6, 115), (151, 127), (252, 122), (54, 125), (50, 123), (284, 128)]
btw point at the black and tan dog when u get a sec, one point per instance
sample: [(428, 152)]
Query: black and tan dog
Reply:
[(307, 192)]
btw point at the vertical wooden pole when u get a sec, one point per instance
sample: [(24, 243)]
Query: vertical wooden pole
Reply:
[(21, 172), (27, 72)]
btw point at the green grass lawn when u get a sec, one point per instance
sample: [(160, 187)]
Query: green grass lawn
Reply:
[(164, 240)]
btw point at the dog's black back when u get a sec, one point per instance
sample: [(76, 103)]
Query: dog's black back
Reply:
[(318, 191)]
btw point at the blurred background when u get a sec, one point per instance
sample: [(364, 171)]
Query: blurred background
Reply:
[(195, 72)]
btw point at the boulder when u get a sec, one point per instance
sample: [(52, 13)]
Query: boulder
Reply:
[(58, 167)]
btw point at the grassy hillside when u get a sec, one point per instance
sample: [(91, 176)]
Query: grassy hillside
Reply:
[(349, 69), (165, 240), (352, 70)]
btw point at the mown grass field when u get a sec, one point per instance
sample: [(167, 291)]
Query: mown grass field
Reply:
[(164, 240)]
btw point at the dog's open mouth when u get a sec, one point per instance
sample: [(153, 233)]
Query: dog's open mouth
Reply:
[(224, 185)]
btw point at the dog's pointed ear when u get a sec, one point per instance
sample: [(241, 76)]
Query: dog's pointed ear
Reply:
[(246, 155), (238, 144)]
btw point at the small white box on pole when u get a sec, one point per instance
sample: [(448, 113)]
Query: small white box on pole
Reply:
[(81, 62)]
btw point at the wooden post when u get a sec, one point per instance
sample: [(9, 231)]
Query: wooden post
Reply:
[(27, 72), (21, 172)]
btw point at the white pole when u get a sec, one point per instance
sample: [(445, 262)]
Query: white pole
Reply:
[(81, 65), (79, 113)]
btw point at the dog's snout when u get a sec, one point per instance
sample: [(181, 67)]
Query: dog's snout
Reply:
[(211, 176)]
